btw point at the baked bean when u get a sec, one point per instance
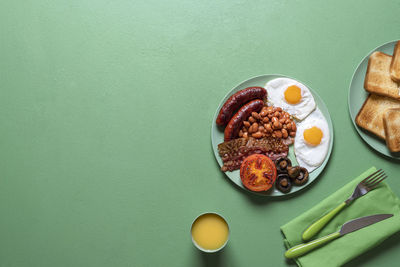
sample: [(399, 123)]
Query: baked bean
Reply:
[(256, 115), (294, 128), (260, 128), (275, 124), (247, 124), (240, 133), (263, 113), (253, 128), (288, 121), (257, 134), (268, 128), (276, 114), (251, 119), (283, 120), (270, 109), (279, 109), (278, 134), (292, 134), (274, 119), (270, 115), (284, 133), (266, 119)]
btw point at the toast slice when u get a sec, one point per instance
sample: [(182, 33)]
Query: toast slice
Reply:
[(378, 79), (370, 116), (395, 65), (391, 124)]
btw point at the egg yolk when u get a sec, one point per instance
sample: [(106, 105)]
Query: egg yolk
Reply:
[(293, 94), (313, 135)]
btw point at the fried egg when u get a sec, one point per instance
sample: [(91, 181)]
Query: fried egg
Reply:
[(311, 143), (292, 96)]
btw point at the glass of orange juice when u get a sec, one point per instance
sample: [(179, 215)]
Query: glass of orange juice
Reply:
[(210, 232)]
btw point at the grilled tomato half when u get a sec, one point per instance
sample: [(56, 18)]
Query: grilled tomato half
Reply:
[(258, 173)]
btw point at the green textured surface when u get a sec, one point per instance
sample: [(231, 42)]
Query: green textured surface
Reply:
[(105, 115)]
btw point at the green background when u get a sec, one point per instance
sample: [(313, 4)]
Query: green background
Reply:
[(105, 116)]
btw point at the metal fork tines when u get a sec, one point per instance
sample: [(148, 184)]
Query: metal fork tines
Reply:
[(367, 185)]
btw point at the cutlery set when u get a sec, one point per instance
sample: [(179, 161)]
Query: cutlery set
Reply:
[(366, 185)]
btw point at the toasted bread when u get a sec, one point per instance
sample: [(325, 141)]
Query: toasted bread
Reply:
[(378, 79), (395, 65), (370, 116), (391, 124)]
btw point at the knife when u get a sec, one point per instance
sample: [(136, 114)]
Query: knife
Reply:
[(348, 227)]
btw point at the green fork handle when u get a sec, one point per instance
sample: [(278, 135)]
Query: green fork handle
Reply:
[(302, 249), (314, 228)]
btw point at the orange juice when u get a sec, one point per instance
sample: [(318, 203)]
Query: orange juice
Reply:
[(210, 232)]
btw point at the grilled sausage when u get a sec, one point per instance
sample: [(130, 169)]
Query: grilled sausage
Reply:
[(236, 101), (234, 125)]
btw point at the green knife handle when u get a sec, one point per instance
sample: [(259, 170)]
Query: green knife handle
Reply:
[(314, 228), (302, 249)]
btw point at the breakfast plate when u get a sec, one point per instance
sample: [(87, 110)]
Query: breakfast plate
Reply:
[(217, 136), (357, 96)]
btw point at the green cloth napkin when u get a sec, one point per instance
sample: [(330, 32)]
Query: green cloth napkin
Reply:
[(347, 247)]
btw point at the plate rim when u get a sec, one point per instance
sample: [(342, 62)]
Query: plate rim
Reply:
[(326, 161), (359, 131)]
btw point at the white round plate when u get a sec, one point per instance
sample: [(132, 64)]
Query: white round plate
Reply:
[(217, 135)]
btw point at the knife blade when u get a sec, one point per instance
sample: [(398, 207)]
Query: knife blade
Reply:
[(362, 222), (346, 228)]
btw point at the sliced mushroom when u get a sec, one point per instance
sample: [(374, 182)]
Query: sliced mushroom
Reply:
[(283, 183), (293, 172), (302, 178), (282, 164)]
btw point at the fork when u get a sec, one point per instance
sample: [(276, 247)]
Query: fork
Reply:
[(366, 185)]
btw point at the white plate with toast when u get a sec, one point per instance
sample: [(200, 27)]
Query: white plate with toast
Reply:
[(374, 99)]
